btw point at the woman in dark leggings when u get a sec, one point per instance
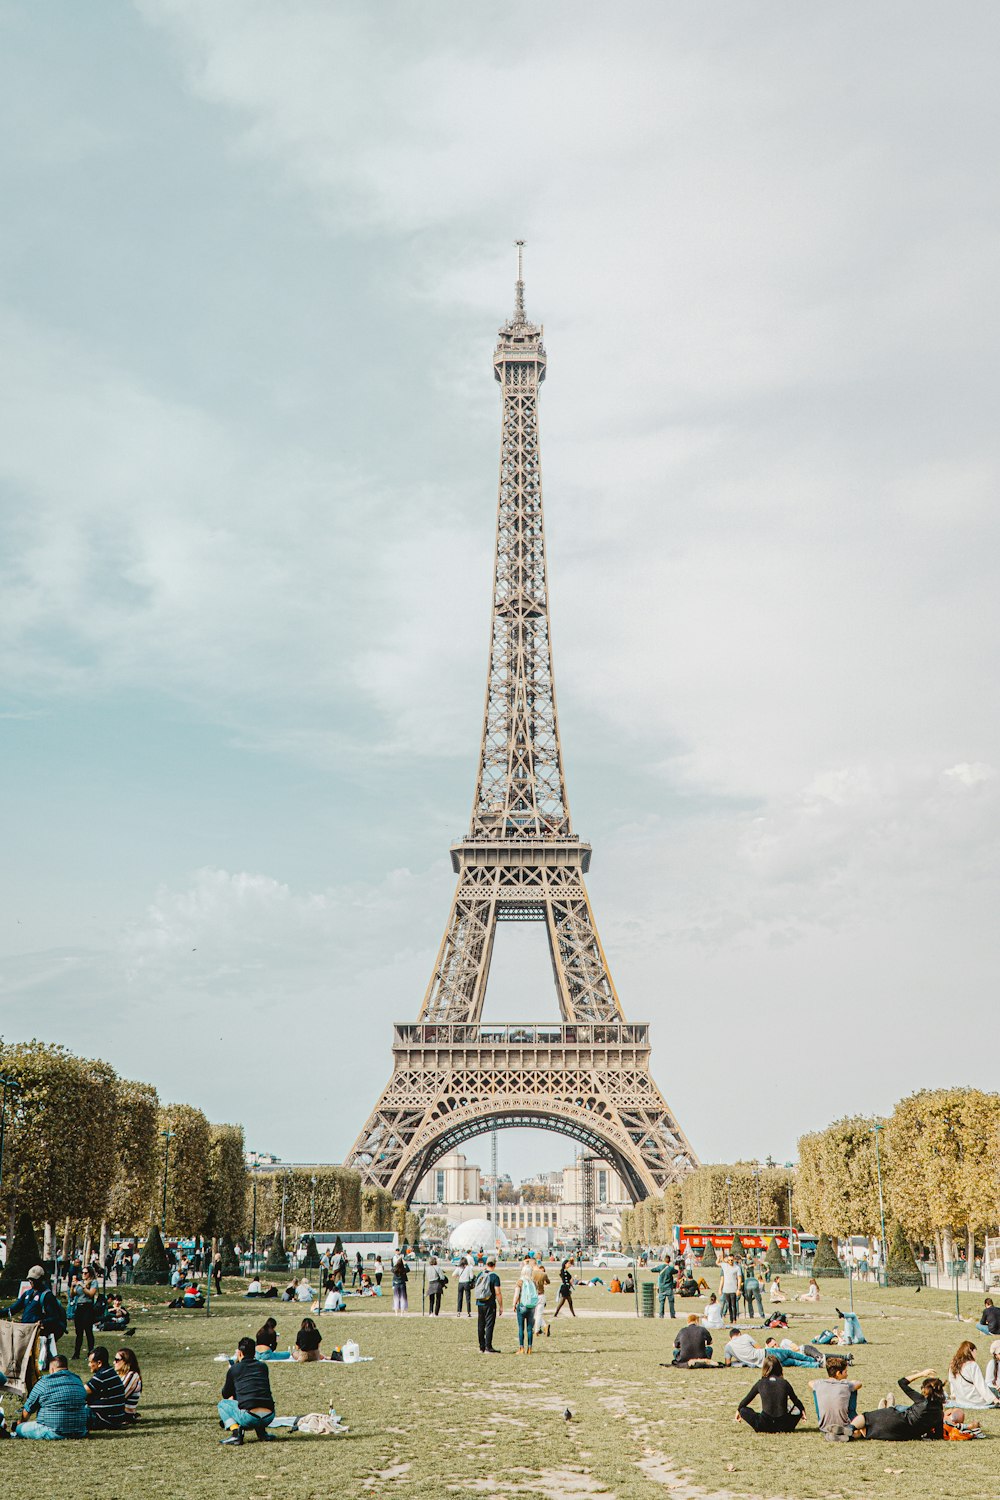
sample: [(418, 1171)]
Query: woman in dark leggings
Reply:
[(84, 1295), (780, 1408), (924, 1418), (565, 1298)]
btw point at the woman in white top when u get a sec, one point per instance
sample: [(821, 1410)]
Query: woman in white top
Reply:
[(776, 1294), (812, 1292), (993, 1367), (966, 1385), (713, 1313)]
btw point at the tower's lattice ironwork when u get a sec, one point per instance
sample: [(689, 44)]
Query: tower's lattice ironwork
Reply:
[(521, 861)]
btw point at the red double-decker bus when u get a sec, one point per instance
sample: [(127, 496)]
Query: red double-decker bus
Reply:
[(753, 1236)]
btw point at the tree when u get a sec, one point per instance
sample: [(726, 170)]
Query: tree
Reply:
[(334, 1204), (57, 1090), (412, 1225), (942, 1163), (705, 1195), (709, 1258), (825, 1262), (901, 1267), (136, 1156), (277, 1258), (376, 1209), (188, 1169), (311, 1258), (24, 1254), (152, 1268), (230, 1261), (227, 1182), (774, 1257), (737, 1249), (837, 1183)]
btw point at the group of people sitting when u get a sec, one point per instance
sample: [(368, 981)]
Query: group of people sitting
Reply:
[(61, 1405), (304, 1350), (299, 1290)]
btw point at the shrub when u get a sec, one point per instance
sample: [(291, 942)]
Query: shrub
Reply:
[(311, 1259), (709, 1258), (774, 1257), (277, 1259), (152, 1268), (901, 1267), (24, 1254), (738, 1249), (825, 1262), (230, 1263)]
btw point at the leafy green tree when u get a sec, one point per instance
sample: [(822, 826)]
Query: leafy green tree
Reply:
[(152, 1268), (774, 1257), (311, 1258), (705, 1195), (376, 1209), (942, 1163), (336, 1197), (24, 1254), (227, 1182), (188, 1168), (136, 1156), (836, 1188), (230, 1260), (277, 1258), (710, 1258)]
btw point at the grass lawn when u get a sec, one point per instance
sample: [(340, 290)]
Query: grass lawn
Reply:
[(430, 1416)]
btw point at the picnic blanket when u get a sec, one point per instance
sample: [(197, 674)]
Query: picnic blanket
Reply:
[(17, 1355)]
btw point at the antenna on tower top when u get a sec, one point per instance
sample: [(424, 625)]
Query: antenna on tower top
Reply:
[(519, 286)]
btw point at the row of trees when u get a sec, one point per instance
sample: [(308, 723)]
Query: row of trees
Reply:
[(85, 1148), (939, 1158), (303, 1198), (939, 1153)]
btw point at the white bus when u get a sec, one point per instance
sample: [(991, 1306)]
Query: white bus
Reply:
[(366, 1242)]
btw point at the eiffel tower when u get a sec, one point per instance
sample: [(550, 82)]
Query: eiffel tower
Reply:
[(453, 1077)]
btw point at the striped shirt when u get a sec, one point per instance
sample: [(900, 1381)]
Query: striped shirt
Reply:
[(106, 1397), (59, 1402)]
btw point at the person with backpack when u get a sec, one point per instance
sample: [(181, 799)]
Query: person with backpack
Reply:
[(489, 1304), (39, 1304), (525, 1302)]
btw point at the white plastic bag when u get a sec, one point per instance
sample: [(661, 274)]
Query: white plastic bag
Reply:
[(351, 1352)]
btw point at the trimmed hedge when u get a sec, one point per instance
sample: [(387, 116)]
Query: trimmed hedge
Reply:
[(825, 1262), (24, 1253), (152, 1268)]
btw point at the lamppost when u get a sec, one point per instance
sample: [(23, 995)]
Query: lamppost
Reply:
[(791, 1222), (312, 1205), (168, 1136), (756, 1178), (729, 1199), (253, 1227), (11, 1086), (877, 1128)]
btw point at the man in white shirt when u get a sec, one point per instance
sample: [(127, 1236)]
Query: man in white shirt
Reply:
[(304, 1292), (730, 1282), (741, 1350)]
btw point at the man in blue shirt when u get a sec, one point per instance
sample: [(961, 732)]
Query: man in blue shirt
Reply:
[(39, 1304), (59, 1404)]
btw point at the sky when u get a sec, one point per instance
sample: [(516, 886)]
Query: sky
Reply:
[(254, 257)]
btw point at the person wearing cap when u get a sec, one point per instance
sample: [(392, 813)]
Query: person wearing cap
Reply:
[(38, 1303)]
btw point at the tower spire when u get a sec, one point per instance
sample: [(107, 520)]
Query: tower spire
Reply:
[(519, 316)]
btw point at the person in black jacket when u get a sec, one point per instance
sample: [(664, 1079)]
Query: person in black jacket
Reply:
[(246, 1402), (989, 1319), (780, 1408), (693, 1346), (924, 1418)]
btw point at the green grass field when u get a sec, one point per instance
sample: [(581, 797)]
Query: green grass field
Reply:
[(430, 1416)]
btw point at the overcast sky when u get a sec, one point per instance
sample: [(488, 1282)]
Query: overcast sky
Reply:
[(254, 258)]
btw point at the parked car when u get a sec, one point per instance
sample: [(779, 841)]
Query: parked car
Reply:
[(611, 1260)]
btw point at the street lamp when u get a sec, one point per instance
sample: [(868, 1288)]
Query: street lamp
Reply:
[(253, 1228), (168, 1136), (877, 1128), (729, 1197), (11, 1086)]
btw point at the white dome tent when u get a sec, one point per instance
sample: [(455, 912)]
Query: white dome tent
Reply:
[(476, 1232)]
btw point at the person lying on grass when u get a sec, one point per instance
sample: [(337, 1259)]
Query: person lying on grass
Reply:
[(787, 1352), (923, 1418), (780, 1408)]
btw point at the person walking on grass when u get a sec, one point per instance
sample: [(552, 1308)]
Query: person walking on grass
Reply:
[(399, 1279), (565, 1297), (541, 1280), (83, 1303), (666, 1286), (751, 1291), (489, 1305), (466, 1276), (525, 1302), (436, 1283)]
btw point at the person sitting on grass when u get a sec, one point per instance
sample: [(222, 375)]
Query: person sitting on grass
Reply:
[(628, 1285), (776, 1294), (127, 1367), (993, 1368), (334, 1300), (923, 1418), (966, 1385), (693, 1345), (989, 1319), (288, 1295), (713, 1313), (247, 1404), (55, 1407), (266, 1341), (307, 1342), (254, 1289), (780, 1408), (688, 1287), (105, 1392), (193, 1296), (835, 1399), (116, 1319), (811, 1294), (741, 1350), (304, 1292)]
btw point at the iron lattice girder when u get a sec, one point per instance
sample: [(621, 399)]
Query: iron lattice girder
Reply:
[(588, 1079)]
